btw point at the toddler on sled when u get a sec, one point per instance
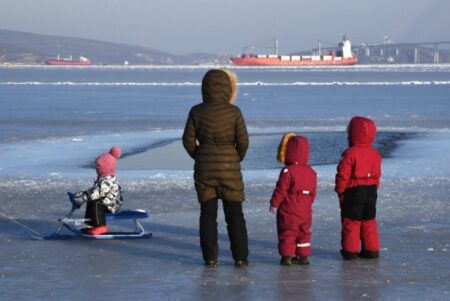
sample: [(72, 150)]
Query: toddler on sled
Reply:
[(104, 196)]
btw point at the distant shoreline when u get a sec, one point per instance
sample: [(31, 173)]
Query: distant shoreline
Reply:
[(209, 66)]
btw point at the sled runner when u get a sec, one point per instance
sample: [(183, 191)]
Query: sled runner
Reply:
[(76, 224)]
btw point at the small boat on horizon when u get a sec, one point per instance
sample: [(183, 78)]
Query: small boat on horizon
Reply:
[(82, 61), (342, 56)]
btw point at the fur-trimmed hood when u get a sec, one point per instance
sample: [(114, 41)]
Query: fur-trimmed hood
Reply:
[(293, 149), (219, 84)]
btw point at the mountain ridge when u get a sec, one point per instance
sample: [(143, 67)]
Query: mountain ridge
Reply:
[(32, 48)]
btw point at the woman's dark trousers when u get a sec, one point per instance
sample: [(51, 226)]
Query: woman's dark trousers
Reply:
[(237, 230)]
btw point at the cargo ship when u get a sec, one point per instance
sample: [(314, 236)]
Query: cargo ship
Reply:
[(341, 56), (82, 61)]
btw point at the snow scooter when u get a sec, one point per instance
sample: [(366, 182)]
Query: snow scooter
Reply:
[(75, 225)]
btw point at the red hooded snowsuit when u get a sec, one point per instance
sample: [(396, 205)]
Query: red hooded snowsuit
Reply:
[(357, 180), (293, 195)]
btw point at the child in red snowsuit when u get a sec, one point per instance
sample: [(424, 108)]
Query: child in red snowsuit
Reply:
[(357, 180), (292, 200)]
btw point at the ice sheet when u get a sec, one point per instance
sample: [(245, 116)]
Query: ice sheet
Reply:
[(413, 221)]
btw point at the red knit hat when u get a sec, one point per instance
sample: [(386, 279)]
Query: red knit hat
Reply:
[(105, 164)]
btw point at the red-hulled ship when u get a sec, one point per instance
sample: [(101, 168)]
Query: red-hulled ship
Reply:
[(82, 61), (343, 56)]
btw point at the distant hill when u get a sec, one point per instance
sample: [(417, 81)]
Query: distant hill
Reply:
[(30, 48)]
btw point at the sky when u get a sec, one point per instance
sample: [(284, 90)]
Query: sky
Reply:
[(225, 27)]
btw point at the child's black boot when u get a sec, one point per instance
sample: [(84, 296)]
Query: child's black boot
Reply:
[(302, 260), (286, 260), (369, 254), (349, 255)]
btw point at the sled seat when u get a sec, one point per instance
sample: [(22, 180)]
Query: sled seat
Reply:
[(127, 214)]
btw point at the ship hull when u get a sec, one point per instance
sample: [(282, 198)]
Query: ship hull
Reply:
[(68, 63), (267, 61)]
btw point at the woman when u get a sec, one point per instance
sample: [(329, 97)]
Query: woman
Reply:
[(216, 137)]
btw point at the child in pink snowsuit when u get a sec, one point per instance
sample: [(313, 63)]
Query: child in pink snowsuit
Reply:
[(292, 200)]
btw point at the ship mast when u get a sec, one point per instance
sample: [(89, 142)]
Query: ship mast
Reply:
[(276, 47)]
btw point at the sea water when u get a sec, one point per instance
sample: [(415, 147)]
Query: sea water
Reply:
[(54, 121)]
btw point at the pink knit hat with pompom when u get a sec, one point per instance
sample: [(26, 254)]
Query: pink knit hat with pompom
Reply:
[(115, 151), (105, 164)]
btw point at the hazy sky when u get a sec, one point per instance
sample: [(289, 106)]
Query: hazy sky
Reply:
[(224, 27)]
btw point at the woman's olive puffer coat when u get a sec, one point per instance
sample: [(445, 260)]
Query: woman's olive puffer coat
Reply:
[(216, 137)]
